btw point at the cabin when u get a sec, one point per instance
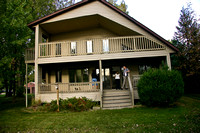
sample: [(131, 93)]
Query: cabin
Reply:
[(78, 49)]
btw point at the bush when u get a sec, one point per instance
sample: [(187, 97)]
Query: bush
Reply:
[(70, 104), (77, 104), (20, 91), (160, 87)]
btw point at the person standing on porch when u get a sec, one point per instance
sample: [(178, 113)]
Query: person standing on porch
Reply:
[(117, 80), (125, 77)]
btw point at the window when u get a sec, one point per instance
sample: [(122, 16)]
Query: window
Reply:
[(73, 47), (89, 46), (43, 76), (72, 76), (105, 45), (79, 75), (143, 68), (58, 76), (85, 75)]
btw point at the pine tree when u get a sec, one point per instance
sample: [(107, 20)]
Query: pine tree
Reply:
[(187, 39)]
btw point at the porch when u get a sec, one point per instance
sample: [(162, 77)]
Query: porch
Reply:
[(85, 78)]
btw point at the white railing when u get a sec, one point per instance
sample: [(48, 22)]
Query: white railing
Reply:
[(69, 87), (99, 46)]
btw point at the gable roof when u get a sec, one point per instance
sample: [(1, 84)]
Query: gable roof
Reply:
[(84, 2)]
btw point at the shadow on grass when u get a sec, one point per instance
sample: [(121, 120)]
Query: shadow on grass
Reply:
[(13, 102)]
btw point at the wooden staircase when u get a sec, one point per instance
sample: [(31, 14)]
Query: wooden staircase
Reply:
[(116, 99)]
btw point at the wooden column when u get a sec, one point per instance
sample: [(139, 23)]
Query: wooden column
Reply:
[(26, 85), (36, 59), (168, 61), (101, 82)]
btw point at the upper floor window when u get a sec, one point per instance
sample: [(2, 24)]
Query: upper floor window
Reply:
[(89, 46), (105, 45), (73, 48)]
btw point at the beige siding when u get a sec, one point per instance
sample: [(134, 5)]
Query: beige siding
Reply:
[(65, 76), (82, 35), (103, 57), (53, 77), (52, 96)]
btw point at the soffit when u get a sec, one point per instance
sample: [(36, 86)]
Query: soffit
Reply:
[(84, 23)]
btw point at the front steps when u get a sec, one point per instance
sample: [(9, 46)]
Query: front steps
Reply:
[(116, 99)]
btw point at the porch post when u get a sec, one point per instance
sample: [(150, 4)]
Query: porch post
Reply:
[(26, 85), (168, 61), (37, 36), (101, 82)]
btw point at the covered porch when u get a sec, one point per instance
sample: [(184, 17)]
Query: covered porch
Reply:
[(86, 78)]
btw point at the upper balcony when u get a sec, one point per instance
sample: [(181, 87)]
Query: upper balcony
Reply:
[(107, 46), (30, 55)]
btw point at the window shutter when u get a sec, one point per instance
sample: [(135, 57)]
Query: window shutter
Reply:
[(73, 47), (89, 46), (105, 45)]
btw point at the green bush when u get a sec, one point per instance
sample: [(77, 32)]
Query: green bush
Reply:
[(160, 87), (20, 91)]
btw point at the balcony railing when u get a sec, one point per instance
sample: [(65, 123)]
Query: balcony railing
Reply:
[(30, 55), (99, 46), (69, 87)]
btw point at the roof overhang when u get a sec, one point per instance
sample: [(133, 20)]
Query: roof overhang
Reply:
[(86, 22), (84, 2)]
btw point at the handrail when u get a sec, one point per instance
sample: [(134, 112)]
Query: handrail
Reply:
[(69, 87), (99, 46), (131, 89)]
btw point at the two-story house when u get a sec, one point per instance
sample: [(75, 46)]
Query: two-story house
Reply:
[(81, 47)]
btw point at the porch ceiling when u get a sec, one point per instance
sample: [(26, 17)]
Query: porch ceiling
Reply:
[(86, 22)]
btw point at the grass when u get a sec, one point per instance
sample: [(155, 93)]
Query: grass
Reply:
[(184, 116)]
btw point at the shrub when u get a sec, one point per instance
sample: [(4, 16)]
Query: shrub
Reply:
[(77, 104), (20, 91), (160, 87)]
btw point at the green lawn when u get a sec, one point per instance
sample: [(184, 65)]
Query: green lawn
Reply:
[(182, 117)]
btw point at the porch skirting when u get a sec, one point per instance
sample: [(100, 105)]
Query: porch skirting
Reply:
[(95, 96)]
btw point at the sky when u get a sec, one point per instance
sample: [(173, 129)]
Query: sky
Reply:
[(161, 16)]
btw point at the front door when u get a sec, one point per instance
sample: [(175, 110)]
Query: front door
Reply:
[(108, 77)]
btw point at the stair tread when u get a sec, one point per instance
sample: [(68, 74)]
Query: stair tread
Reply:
[(117, 105), (117, 101), (107, 108)]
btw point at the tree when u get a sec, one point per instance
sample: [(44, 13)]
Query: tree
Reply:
[(122, 6), (187, 40), (15, 36), (63, 3)]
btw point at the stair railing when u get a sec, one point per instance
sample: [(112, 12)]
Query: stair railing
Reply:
[(131, 89)]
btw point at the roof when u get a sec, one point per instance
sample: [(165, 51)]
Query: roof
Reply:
[(84, 2)]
